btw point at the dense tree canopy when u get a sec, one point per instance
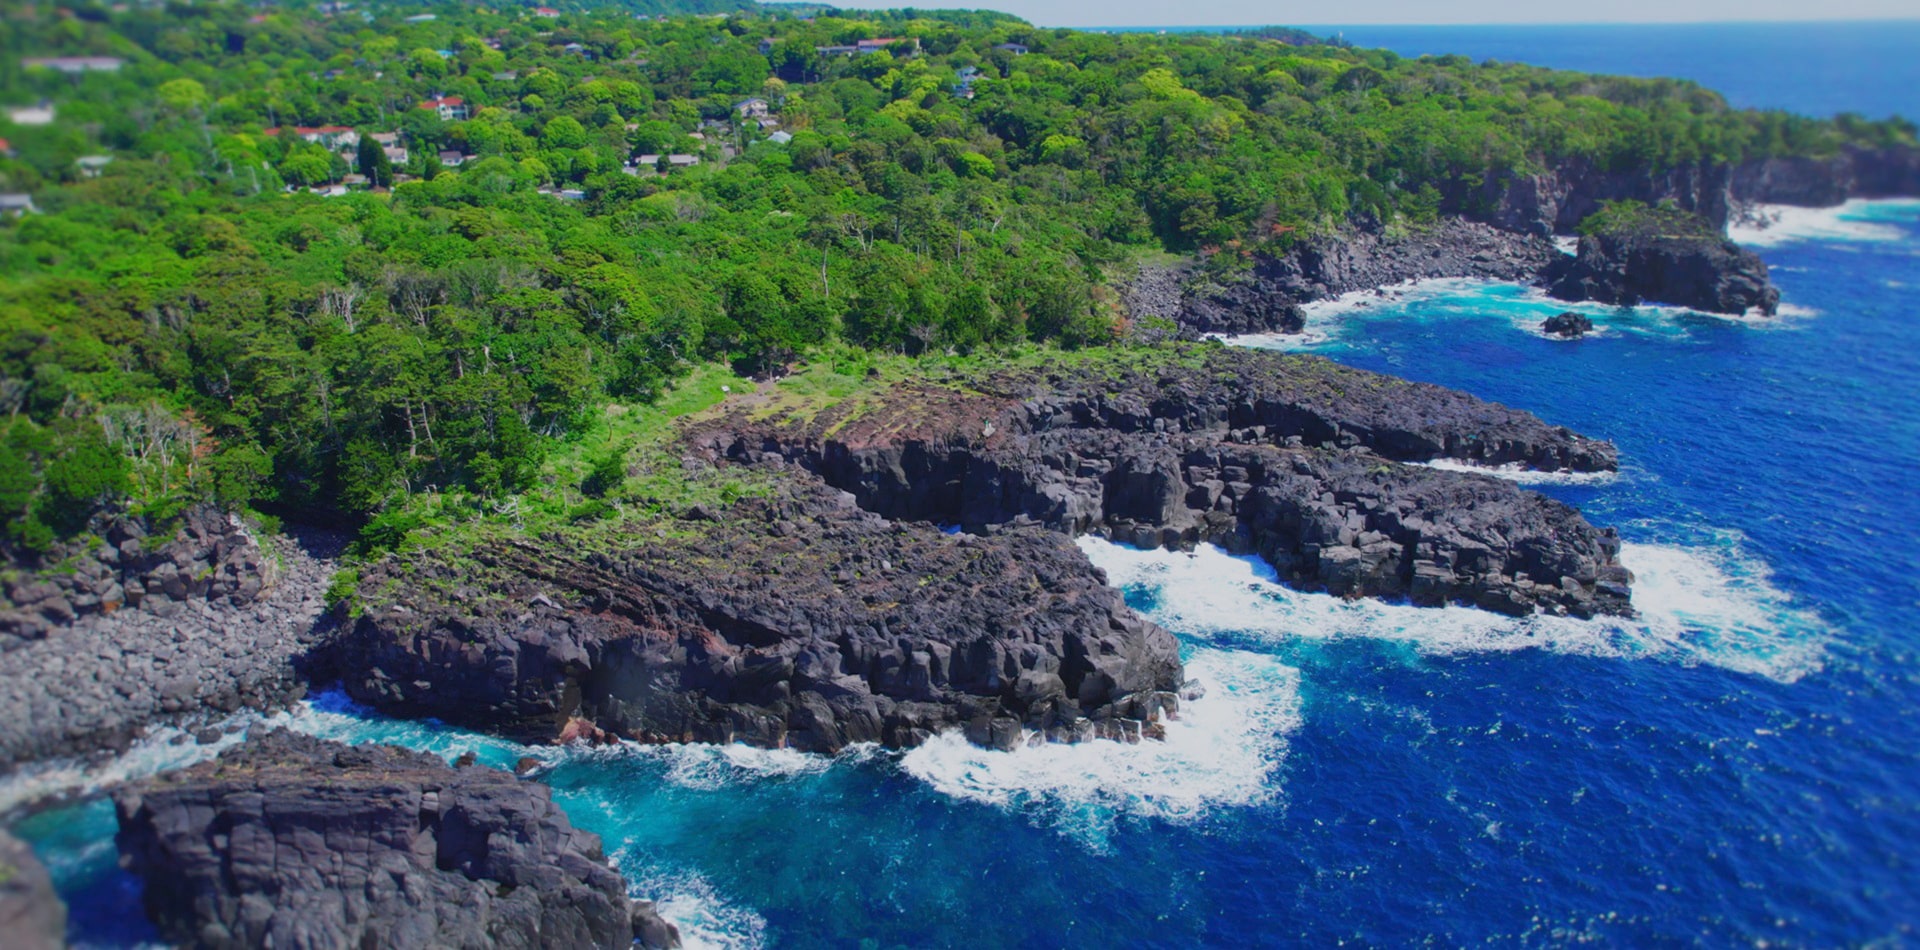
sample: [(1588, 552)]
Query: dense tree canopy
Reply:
[(196, 321)]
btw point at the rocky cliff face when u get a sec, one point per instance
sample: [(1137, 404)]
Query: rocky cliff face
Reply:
[(1266, 298), (1821, 182), (1557, 200), (290, 841), (795, 620), (210, 557), (1701, 270), (32, 916), (1289, 457)]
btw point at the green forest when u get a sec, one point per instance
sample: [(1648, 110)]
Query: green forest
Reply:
[(354, 262)]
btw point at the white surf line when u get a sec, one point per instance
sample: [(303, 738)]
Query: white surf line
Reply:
[(1771, 225), (1220, 752), (1711, 605), (1520, 474)]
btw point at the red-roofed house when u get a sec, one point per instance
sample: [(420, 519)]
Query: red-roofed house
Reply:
[(547, 12), (449, 108), (332, 137)]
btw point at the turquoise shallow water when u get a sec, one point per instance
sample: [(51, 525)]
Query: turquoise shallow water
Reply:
[(1736, 765)]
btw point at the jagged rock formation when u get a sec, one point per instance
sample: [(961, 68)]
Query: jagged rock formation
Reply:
[(211, 557), (100, 680), (1665, 257), (1266, 297), (291, 841), (32, 916), (1568, 325), (1286, 456), (793, 620)]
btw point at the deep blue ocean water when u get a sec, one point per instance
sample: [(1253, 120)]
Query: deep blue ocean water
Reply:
[(1739, 764), (1823, 68)]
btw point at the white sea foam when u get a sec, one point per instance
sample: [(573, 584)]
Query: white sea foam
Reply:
[(1522, 474), (1568, 244), (706, 919), (161, 750), (1219, 752), (1324, 317), (1773, 225), (1708, 604)]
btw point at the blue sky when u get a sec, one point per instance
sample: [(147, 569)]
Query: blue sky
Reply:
[(1354, 12)]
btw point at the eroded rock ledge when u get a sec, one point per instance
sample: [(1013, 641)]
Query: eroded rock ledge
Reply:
[(1287, 456), (796, 620), (291, 841)]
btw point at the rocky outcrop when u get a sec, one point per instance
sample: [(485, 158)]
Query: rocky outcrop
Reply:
[(1568, 325), (1266, 297), (32, 916), (793, 620), (1555, 201), (1822, 182), (1664, 258), (123, 563), (1285, 456), (291, 841), (1366, 259), (99, 681)]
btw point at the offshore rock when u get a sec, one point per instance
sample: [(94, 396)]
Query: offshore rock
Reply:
[(32, 916), (1567, 325), (1666, 258), (794, 620), (292, 841)]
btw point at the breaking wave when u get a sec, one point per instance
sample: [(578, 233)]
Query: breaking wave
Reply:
[(1857, 220), (1221, 751), (1708, 604)]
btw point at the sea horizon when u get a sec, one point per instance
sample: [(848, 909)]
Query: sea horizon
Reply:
[(1812, 67)]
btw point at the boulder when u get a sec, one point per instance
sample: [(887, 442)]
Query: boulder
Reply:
[(1567, 325)]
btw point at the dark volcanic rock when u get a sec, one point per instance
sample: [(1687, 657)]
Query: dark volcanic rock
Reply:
[(1567, 324), (1364, 259), (1283, 455), (291, 841), (1668, 258), (122, 563), (32, 916), (1266, 298), (1819, 182), (99, 681), (797, 620)]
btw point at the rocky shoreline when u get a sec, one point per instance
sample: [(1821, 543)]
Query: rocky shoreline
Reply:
[(1290, 457), (99, 681), (833, 609), (1503, 230)]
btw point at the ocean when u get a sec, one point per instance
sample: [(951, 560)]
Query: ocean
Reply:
[(1738, 764), (1820, 68)]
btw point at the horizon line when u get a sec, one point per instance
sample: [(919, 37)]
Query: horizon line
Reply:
[(1784, 21)]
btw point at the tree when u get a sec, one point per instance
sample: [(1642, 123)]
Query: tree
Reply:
[(564, 132), (374, 163)]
